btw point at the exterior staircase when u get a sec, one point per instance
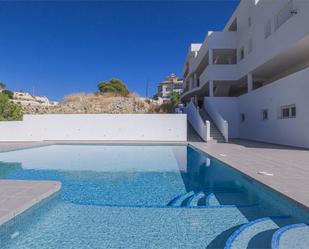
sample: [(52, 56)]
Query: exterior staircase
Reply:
[(215, 135)]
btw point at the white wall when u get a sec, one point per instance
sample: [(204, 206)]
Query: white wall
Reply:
[(293, 89), (108, 127), (292, 31), (228, 108), (201, 127), (288, 36)]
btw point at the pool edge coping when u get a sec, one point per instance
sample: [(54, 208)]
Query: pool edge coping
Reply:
[(55, 187), (252, 177)]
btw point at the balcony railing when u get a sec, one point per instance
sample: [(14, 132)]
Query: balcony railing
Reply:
[(219, 72), (214, 40)]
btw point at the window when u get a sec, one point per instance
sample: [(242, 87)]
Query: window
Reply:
[(264, 114), (284, 14), (242, 53), (293, 111), (242, 117), (250, 46), (249, 22), (288, 111), (267, 31)]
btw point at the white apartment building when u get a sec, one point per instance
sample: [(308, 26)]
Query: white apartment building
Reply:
[(171, 84), (251, 80)]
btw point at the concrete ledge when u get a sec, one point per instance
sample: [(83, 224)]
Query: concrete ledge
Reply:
[(16, 196)]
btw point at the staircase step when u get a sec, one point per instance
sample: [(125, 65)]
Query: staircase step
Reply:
[(215, 134), (242, 236), (291, 236)]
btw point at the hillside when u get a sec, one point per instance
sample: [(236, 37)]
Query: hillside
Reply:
[(96, 103)]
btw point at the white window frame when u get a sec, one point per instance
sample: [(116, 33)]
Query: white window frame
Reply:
[(267, 29), (290, 112), (265, 118), (241, 53), (242, 117), (250, 46)]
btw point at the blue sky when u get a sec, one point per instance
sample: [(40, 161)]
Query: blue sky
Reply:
[(59, 48)]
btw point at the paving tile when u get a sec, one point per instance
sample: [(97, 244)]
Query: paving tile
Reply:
[(289, 165), (15, 200)]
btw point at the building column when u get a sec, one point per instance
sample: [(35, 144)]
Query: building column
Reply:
[(250, 82), (195, 100), (210, 56), (195, 79), (211, 88), (190, 82)]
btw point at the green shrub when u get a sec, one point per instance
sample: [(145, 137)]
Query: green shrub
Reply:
[(8, 93), (114, 86), (9, 111), (175, 98)]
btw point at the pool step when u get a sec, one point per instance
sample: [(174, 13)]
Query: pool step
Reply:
[(194, 199), (291, 236), (211, 200), (242, 236), (178, 200), (215, 198)]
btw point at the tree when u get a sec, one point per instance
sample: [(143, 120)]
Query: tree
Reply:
[(175, 98), (2, 86), (114, 86), (9, 111)]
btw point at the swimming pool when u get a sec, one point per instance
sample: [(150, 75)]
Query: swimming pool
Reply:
[(146, 196)]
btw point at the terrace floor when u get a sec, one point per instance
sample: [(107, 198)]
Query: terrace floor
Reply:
[(289, 165)]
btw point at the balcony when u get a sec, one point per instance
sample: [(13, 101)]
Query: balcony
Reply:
[(222, 39), (214, 40), (219, 73)]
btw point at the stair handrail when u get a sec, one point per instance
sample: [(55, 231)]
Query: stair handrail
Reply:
[(195, 119), (217, 118)]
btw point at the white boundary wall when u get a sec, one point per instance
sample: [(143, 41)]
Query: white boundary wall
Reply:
[(108, 127)]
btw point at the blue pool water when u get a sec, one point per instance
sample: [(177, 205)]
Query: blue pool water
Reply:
[(125, 196)]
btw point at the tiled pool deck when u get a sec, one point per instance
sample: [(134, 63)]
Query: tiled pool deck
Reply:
[(16, 196), (289, 165)]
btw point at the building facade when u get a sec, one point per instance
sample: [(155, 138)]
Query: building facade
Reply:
[(171, 84), (251, 79)]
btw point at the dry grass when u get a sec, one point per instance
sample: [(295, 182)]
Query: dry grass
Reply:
[(94, 97), (100, 103)]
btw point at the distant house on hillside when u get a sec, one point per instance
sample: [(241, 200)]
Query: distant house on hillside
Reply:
[(25, 98), (171, 84)]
